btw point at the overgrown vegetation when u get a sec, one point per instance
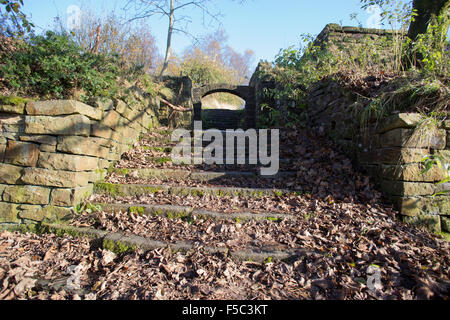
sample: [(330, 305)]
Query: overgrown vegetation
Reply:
[(54, 66), (410, 75)]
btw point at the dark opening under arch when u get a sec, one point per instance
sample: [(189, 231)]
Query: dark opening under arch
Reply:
[(244, 92)]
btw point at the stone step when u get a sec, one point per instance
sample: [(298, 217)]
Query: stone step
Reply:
[(234, 159), (180, 212), (122, 243), (205, 176), (136, 190)]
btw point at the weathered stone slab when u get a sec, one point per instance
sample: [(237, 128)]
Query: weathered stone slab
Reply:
[(104, 132), (98, 175), (410, 189), (444, 154), (47, 148), (103, 164), (30, 212), (112, 156), (12, 123), (62, 107), (22, 153), (157, 173), (70, 197), (108, 143), (111, 119), (50, 140), (10, 135), (20, 109), (122, 190), (103, 104), (412, 172), (129, 135), (149, 210), (445, 224), (74, 231), (393, 156), (2, 152), (82, 146), (429, 222), (10, 174), (77, 125), (147, 121), (120, 106), (408, 138), (60, 161), (26, 194), (9, 213), (55, 178), (131, 114), (415, 206), (448, 140), (38, 213), (401, 120)]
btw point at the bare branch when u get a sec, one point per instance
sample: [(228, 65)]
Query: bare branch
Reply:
[(177, 108)]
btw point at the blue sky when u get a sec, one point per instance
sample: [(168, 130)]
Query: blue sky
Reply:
[(265, 26)]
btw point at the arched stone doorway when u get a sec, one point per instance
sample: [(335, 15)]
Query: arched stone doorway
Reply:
[(244, 92)]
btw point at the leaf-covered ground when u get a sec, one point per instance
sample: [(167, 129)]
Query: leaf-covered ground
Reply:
[(49, 267), (350, 237)]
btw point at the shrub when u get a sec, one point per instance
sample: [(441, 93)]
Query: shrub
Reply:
[(54, 66)]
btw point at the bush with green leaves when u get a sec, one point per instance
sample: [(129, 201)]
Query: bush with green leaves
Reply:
[(54, 66), (13, 20)]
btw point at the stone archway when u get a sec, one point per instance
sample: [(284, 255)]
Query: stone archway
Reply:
[(246, 93)]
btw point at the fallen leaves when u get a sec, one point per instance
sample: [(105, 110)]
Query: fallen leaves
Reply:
[(350, 235)]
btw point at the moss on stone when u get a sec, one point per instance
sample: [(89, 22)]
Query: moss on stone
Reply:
[(268, 260), (31, 228), (177, 215), (62, 231), (13, 100), (140, 211), (117, 247), (445, 235), (107, 188), (160, 149), (197, 193), (161, 160), (221, 193), (278, 193), (257, 194), (151, 190)]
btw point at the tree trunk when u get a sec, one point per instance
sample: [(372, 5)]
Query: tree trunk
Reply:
[(169, 39), (427, 10)]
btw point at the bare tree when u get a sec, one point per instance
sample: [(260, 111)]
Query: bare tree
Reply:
[(175, 12)]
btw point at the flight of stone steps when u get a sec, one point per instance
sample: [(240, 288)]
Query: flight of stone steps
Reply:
[(146, 201), (221, 119), (145, 183)]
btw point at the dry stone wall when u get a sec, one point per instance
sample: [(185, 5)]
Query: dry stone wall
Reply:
[(360, 45), (51, 152), (391, 150)]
